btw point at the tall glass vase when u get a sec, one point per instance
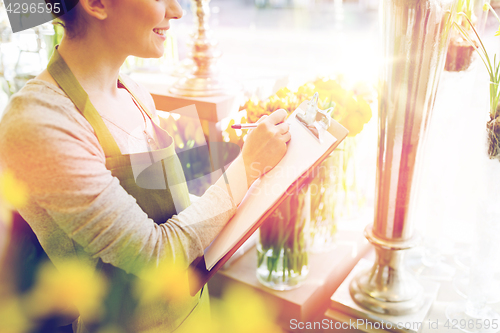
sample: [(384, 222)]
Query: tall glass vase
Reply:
[(334, 195), (414, 43), (326, 203), (282, 247)]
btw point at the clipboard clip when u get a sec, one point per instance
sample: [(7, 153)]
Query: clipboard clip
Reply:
[(315, 120)]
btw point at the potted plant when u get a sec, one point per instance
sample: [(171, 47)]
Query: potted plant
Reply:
[(460, 51), (493, 68)]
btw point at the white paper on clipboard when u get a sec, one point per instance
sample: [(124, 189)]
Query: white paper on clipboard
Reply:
[(303, 151)]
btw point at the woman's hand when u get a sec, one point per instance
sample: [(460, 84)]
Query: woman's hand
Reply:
[(266, 145)]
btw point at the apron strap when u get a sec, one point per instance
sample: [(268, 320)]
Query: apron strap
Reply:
[(61, 73), (137, 99)]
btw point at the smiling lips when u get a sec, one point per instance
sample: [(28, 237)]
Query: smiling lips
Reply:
[(161, 31)]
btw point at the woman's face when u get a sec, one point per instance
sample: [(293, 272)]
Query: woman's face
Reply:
[(138, 27)]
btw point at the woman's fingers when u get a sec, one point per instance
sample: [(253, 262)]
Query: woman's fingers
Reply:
[(266, 145), (283, 128), (261, 119), (277, 116), (286, 137)]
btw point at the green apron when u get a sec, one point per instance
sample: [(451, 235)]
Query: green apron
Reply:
[(146, 177)]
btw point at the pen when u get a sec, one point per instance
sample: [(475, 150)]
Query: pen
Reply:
[(244, 126)]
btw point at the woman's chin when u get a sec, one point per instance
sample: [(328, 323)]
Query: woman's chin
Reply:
[(150, 54), (158, 53)]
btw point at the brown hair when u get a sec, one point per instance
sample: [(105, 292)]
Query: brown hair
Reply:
[(73, 23)]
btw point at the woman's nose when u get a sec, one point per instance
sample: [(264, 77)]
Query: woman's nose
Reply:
[(174, 10)]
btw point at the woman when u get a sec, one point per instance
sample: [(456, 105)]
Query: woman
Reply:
[(71, 134)]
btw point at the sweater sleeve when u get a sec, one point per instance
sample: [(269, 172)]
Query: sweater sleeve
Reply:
[(48, 147)]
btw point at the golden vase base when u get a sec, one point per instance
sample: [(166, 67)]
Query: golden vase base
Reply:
[(192, 86), (343, 306), (387, 287), (360, 292)]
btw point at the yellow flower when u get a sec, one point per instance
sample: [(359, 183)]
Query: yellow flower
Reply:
[(12, 190), (325, 84), (232, 135), (157, 283), (293, 104), (354, 123), (364, 90), (189, 130), (243, 311), (111, 329), (338, 112), (364, 109), (274, 103), (331, 92), (283, 92), (306, 90), (58, 291), (12, 316), (324, 103), (351, 105), (498, 32), (205, 322), (178, 139), (485, 7), (5, 215), (199, 137), (252, 104), (255, 109), (360, 108), (239, 311)]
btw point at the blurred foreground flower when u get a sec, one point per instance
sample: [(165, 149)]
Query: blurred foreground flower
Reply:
[(240, 311), (111, 329), (168, 281), (12, 190), (57, 291), (5, 220), (12, 316)]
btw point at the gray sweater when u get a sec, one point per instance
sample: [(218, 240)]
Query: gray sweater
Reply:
[(76, 207)]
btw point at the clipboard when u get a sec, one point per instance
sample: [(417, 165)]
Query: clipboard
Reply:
[(198, 273)]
